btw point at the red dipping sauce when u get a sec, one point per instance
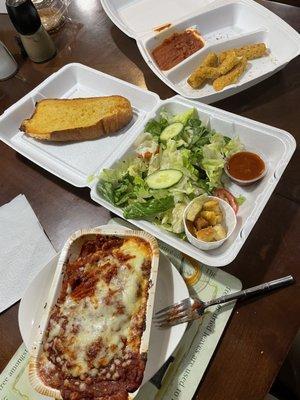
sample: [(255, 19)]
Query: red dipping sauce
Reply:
[(177, 48), (245, 166)]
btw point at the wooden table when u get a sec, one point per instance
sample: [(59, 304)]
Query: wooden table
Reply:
[(259, 334)]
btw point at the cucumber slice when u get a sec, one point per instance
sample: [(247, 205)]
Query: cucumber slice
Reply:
[(171, 131), (164, 178)]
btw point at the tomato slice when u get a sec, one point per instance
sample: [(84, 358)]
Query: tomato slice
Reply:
[(224, 194), (147, 154)]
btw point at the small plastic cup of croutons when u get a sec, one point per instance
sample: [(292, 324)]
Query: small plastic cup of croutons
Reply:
[(208, 222)]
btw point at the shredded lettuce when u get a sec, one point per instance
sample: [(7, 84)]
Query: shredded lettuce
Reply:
[(214, 155), (177, 218), (240, 199), (184, 117), (156, 126), (149, 208), (197, 151)]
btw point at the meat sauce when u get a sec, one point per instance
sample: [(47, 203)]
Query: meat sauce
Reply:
[(177, 48), (123, 372), (245, 166)]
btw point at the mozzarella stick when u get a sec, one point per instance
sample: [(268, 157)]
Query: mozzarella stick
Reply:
[(250, 51), (230, 60), (207, 67), (231, 77)]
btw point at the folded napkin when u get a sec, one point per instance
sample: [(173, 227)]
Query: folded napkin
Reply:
[(24, 249)]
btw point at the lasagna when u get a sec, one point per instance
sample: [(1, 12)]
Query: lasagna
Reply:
[(91, 347)]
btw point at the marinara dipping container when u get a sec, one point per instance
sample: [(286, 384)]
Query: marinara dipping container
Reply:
[(245, 167)]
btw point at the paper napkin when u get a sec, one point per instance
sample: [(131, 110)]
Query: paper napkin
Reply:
[(24, 249)]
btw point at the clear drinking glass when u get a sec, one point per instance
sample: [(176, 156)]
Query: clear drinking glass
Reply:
[(52, 12), (8, 65)]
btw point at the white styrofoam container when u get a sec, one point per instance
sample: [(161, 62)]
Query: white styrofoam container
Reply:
[(71, 251), (74, 162), (223, 24), (69, 160), (276, 146)]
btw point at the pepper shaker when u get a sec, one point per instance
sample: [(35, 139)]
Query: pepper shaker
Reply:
[(36, 41)]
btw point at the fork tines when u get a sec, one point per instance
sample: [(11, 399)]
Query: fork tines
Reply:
[(176, 314), (176, 321)]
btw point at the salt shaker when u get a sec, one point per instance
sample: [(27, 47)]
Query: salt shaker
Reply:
[(8, 65), (36, 41)]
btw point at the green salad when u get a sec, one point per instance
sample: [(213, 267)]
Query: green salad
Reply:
[(177, 159)]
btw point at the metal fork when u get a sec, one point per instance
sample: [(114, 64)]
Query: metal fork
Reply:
[(192, 308)]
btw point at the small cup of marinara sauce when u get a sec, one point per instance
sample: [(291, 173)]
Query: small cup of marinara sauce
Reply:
[(245, 167)]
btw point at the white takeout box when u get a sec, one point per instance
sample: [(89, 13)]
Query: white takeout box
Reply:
[(223, 24), (75, 162)]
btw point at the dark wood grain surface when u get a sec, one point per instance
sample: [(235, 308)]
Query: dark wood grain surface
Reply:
[(260, 333)]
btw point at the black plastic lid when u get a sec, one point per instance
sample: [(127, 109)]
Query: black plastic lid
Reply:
[(24, 16)]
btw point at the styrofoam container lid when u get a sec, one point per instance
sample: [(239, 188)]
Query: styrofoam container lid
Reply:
[(222, 24), (138, 17), (68, 160)]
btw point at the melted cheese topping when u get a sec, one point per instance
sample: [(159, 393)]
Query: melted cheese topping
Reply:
[(94, 329)]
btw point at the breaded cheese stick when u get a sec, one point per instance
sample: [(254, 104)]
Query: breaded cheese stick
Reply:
[(250, 51), (230, 60), (197, 78), (231, 77), (206, 72), (214, 72)]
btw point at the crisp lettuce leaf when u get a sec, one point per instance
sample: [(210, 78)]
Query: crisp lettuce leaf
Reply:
[(213, 161), (240, 199), (149, 208), (106, 190), (172, 219), (197, 129), (185, 116), (132, 165), (137, 166), (124, 183), (153, 127), (165, 117), (177, 218), (233, 146), (186, 190), (154, 163), (214, 170), (214, 156), (156, 126), (173, 158)]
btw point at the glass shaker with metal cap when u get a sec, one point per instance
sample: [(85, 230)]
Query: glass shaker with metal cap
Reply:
[(36, 41)]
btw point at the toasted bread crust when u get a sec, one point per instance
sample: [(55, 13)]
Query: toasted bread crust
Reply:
[(105, 126)]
